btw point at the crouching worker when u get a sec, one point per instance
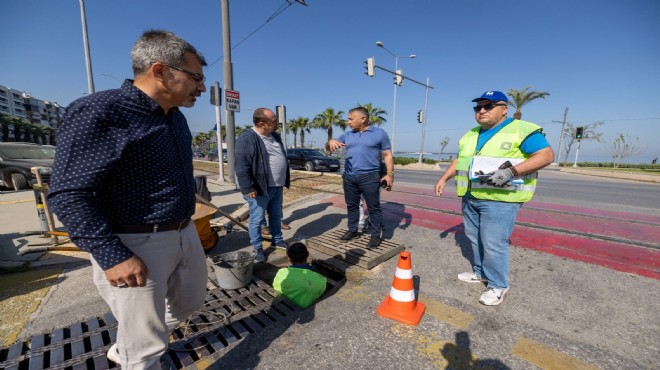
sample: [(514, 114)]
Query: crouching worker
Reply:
[(299, 282)]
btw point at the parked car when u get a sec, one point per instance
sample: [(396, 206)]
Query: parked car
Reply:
[(311, 160), (17, 160), (198, 154), (213, 155)]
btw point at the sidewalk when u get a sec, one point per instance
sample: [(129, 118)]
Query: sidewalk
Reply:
[(559, 312)]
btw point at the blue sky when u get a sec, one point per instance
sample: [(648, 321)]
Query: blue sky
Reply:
[(599, 58)]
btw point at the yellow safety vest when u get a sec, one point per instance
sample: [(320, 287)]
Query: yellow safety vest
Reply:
[(504, 144), (300, 285)]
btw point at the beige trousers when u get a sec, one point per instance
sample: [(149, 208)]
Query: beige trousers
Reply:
[(176, 287)]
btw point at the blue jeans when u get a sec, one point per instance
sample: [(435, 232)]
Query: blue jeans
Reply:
[(368, 186), (488, 226), (271, 203)]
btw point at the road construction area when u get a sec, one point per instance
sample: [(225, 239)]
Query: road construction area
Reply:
[(562, 312)]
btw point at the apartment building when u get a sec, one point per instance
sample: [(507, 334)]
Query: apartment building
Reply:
[(20, 104)]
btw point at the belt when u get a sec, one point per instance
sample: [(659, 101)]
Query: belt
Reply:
[(138, 229)]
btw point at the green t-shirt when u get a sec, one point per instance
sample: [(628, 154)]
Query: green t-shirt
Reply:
[(302, 286)]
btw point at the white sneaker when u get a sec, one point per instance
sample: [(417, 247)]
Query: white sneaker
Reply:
[(493, 296), (470, 277), (113, 354)]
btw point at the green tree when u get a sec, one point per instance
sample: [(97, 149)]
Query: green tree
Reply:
[(589, 133), (328, 119), (376, 115), (299, 124), (444, 143), (623, 146), (522, 97), (239, 129)]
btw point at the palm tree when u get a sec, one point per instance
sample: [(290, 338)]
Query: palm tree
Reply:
[(376, 115), (328, 119), (522, 97), (300, 124), (239, 130), (199, 141)]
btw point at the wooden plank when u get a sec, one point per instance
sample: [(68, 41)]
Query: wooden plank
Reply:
[(354, 251)]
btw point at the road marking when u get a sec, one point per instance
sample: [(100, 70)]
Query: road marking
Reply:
[(545, 357), (446, 313), (16, 201), (442, 353)]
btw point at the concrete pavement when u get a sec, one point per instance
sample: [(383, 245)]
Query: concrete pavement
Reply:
[(558, 314)]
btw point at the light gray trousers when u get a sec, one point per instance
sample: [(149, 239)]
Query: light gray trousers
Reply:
[(176, 287)]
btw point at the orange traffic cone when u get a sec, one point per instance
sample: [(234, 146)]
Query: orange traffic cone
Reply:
[(401, 305)]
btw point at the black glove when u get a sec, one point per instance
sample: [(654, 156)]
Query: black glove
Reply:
[(500, 178)]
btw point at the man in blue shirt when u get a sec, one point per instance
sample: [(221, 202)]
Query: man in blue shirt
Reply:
[(365, 146), (123, 186)]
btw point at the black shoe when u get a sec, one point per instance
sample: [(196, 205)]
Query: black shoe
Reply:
[(374, 242), (349, 235)]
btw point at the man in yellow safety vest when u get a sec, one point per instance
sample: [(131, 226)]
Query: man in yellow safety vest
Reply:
[(495, 173)]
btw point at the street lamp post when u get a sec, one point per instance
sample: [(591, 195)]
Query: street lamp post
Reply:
[(396, 69)]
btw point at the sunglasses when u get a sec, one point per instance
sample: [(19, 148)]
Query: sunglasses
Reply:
[(199, 78), (488, 107)]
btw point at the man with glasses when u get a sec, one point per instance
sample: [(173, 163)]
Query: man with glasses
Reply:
[(496, 173), (262, 170), (123, 186)]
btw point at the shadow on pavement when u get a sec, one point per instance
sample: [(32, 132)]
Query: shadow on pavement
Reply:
[(459, 355)]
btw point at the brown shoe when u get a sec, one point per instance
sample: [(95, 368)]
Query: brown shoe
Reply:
[(285, 226), (265, 231)]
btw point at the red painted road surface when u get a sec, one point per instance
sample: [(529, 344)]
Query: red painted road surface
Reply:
[(401, 207)]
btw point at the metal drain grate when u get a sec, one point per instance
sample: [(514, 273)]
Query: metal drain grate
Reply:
[(227, 317)]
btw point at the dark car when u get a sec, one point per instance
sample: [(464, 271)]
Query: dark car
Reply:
[(17, 159), (213, 155), (197, 154), (311, 160)]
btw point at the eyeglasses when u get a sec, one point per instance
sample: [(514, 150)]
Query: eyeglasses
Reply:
[(199, 78), (488, 107)]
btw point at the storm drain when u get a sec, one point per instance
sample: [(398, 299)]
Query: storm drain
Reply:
[(228, 316)]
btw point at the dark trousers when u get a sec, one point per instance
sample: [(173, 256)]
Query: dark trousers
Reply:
[(368, 186)]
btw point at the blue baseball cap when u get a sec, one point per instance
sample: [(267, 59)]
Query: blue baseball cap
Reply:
[(492, 96)]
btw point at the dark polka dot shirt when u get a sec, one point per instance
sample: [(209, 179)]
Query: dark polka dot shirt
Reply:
[(120, 160)]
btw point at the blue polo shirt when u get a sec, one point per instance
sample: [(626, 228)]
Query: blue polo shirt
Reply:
[(363, 149)]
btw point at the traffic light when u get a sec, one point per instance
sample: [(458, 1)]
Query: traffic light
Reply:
[(578, 132), (370, 67), (398, 78), (420, 116)]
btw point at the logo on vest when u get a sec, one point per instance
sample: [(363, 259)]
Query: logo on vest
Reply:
[(506, 145)]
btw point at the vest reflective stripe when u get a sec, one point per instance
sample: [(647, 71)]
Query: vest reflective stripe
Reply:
[(504, 144)]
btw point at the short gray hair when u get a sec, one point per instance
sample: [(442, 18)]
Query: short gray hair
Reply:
[(160, 46)]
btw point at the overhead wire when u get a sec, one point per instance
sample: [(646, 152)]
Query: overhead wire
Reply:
[(285, 5)]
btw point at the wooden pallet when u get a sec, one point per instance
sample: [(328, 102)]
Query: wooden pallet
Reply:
[(355, 251)]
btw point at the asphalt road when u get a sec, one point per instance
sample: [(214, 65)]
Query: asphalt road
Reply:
[(570, 304), (571, 189)]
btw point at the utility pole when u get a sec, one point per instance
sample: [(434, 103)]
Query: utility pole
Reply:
[(88, 58), (228, 77), (561, 137), (218, 127), (577, 151)]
